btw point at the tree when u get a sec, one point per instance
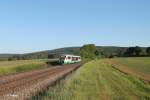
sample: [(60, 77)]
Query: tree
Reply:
[(137, 50), (133, 51), (16, 57), (88, 51), (97, 53), (50, 56), (129, 51), (10, 59), (120, 52), (148, 51)]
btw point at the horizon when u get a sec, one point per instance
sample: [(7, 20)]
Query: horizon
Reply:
[(70, 47), (36, 25)]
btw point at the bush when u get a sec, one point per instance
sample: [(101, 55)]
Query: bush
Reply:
[(88, 51)]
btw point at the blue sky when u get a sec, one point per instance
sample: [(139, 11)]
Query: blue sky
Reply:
[(33, 25)]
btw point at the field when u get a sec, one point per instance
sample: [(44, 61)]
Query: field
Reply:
[(8, 67), (22, 86), (105, 79), (138, 67), (98, 80)]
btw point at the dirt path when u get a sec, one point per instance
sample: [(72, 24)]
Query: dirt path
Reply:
[(23, 85)]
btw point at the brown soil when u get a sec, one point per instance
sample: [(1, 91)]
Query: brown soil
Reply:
[(22, 86)]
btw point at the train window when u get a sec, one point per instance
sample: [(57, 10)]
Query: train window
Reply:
[(69, 57), (73, 58), (76, 58)]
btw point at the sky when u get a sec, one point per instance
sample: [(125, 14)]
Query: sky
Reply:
[(36, 25)]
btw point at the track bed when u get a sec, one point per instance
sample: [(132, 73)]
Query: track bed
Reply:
[(22, 86)]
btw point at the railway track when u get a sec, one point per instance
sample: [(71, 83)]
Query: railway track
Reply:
[(21, 85)]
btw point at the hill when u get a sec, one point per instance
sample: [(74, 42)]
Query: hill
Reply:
[(106, 51)]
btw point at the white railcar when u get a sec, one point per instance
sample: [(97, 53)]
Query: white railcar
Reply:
[(69, 59)]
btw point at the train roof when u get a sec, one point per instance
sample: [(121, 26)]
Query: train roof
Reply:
[(69, 55)]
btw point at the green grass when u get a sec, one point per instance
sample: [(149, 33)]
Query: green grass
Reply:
[(98, 80), (7, 67), (141, 64), (139, 67)]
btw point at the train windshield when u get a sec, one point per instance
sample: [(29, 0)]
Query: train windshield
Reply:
[(62, 57)]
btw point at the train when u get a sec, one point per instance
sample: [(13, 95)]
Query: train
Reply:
[(69, 59)]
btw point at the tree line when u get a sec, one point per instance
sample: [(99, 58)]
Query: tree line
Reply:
[(90, 51), (136, 51)]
